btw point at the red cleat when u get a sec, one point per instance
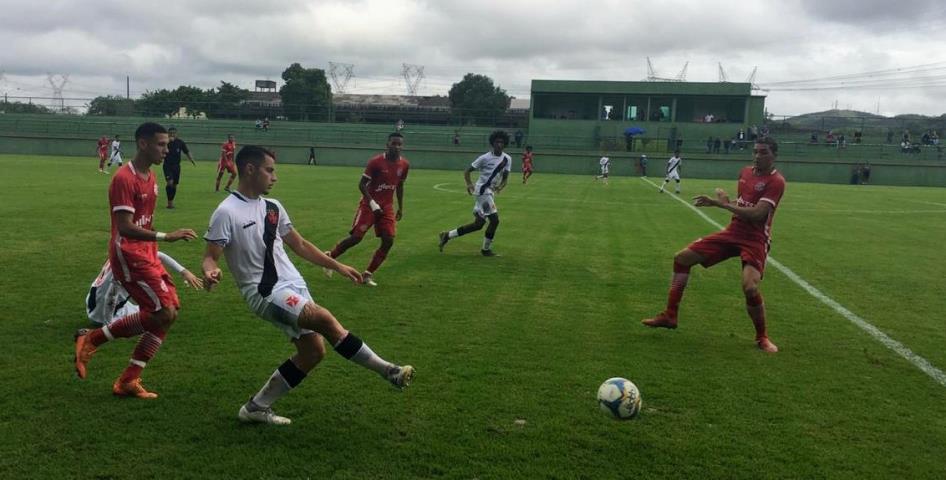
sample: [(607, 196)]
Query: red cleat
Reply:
[(766, 345), (662, 320), (84, 351)]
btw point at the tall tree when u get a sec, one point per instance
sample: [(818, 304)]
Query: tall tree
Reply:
[(111, 106), (306, 95), (226, 100), (477, 98)]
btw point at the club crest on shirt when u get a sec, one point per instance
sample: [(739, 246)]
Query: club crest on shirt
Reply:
[(760, 186), (400, 171), (272, 217), (292, 300)]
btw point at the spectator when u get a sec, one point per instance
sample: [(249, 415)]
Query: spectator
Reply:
[(728, 144), (741, 136), (312, 156), (855, 174), (709, 118), (889, 137), (399, 125), (857, 136), (266, 124), (642, 163), (865, 173), (709, 145), (813, 139), (518, 138), (842, 143), (829, 139), (716, 144), (259, 124), (456, 138)]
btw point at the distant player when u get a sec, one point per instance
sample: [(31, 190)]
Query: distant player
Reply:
[(312, 156), (747, 236), (494, 167), (226, 163), (527, 164), (605, 163), (172, 164), (673, 171), (250, 230), (383, 178), (133, 255), (107, 301), (102, 150), (116, 152)]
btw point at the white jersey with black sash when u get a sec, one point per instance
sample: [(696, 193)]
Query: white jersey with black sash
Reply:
[(250, 232), (491, 168)]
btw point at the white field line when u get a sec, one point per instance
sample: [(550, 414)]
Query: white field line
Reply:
[(919, 362)]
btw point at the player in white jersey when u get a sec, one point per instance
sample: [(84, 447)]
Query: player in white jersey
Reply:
[(108, 301), (250, 231), (673, 171), (494, 167), (605, 163), (116, 153)]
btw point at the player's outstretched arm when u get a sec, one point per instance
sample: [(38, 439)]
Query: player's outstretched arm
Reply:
[(128, 229), (310, 252), (212, 272), (170, 263)]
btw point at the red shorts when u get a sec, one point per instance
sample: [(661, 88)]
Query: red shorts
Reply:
[(151, 289), (526, 169), (103, 155), (725, 244), (226, 165), (365, 218)]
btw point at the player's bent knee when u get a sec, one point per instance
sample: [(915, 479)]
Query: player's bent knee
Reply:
[(687, 257), (319, 319)]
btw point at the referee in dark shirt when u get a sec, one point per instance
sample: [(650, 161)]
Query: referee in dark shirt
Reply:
[(172, 164)]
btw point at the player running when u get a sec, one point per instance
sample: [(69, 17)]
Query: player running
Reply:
[(384, 177), (107, 301), (527, 164), (172, 165), (494, 167), (673, 171), (132, 253), (747, 236), (250, 230), (226, 163), (102, 150)]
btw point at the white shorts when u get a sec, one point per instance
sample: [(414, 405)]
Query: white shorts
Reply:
[(674, 175), (484, 205), (117, 158), (108, 302), (604, 170), (282, 308)]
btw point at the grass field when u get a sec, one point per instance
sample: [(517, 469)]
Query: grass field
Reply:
[(526, 336)]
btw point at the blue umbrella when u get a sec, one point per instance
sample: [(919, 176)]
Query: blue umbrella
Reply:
[(634, 131)]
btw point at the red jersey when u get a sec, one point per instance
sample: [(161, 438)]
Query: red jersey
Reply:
[(128, 192), (752, 190), (103, 144), (527, 161), (384, 178), (226, 151)]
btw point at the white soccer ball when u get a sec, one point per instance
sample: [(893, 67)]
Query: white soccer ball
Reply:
[(620, 398)]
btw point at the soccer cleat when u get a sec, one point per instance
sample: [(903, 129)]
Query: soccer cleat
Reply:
[(766, 345), (84, 351), (489, 253), (132, 389), (401, 377), (444, 238), (261, 415), (368, 279), (662, 320), (328, 272)]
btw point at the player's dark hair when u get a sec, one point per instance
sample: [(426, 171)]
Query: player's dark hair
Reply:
[(395, 134), (172, 129), (773, 145), (528, 148), (252, 154), (148, 130), (499, 135)]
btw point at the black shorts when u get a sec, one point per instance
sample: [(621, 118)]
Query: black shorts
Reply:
[(172, 173)]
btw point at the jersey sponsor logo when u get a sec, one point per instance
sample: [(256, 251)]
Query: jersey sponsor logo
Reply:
[(292, 300), (385, 186), (759, 186), (143, 220), (400, 171)]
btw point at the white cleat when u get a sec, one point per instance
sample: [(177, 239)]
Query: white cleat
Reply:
[(261, 415), (368, 279), (401, 377)]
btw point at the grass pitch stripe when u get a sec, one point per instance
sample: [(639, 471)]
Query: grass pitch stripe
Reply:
[(919, 362)]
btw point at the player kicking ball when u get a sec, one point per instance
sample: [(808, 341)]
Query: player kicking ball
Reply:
[(250, 231), (383, 179), (747, 236)]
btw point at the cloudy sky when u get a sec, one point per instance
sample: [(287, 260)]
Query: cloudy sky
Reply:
[(875, 55)]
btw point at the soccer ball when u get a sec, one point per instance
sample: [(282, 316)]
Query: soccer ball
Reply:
[(620, 398)]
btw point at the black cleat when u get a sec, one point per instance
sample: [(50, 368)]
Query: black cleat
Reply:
[(489, 253), (444, 238)]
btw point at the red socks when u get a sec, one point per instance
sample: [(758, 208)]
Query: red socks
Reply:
[(147, 347), (681, 274), (756, 309), (377, 260)]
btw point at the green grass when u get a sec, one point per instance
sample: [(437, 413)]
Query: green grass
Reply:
[(529, 335)]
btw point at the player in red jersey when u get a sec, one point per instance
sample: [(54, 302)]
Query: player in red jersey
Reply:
[(527, 164), (103, 152), (383, 178), (747, 236), (226, 163), (133, 254)]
